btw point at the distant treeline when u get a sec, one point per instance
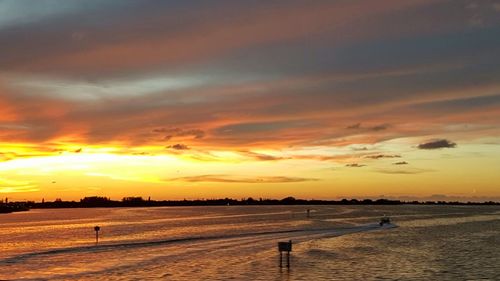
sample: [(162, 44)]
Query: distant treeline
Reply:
[(13, 207), (98, 201)]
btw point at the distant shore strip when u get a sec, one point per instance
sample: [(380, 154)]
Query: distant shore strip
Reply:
[(106, 202)]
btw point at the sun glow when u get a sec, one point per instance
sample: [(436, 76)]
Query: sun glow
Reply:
[(73, 170)]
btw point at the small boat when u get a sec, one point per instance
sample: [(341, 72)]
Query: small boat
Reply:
[(384, 220)]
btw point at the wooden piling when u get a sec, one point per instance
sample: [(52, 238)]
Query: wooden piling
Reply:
[(96, 229), (285, 247)]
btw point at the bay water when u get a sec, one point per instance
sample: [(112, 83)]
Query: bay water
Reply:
[(424, 242)]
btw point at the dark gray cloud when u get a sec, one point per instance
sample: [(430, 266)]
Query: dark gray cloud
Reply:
[(355, 165), (380, 156), (436, 144), (178, 146), (376, 128), (400, 163)]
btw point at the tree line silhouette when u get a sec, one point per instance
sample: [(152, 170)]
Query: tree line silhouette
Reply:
[(101, 201)]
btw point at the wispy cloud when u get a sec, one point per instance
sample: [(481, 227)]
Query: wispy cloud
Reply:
[(355, 165), (236, 179), (406, 171), (170, 133), (262, 156), (376, 128), (380, 156), (15, 186)]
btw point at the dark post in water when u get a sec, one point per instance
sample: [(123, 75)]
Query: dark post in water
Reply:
[(97, 228), (285, 247)]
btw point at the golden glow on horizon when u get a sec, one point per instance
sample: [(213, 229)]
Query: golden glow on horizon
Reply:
[(110, 171)]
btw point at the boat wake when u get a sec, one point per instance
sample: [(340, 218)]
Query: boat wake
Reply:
[(297, 234)]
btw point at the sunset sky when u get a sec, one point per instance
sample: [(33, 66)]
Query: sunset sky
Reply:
[(209, 99)]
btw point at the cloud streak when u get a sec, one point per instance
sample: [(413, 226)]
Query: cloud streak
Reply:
[(263, 157), (233, 179), (413, 171), (355, 165), (15, 186), (381, 156)]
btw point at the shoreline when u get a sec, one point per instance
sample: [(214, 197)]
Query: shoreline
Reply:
[(104, 202), (7, 208)]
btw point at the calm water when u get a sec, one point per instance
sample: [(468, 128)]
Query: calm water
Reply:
[(239, 243)]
